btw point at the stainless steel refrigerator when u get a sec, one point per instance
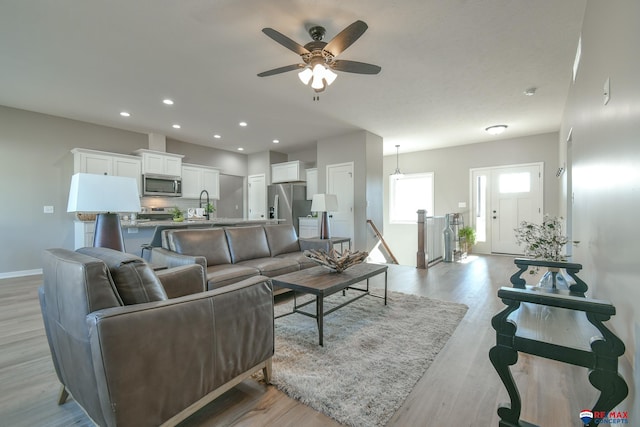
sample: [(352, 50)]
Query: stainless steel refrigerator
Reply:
[(287, 202)]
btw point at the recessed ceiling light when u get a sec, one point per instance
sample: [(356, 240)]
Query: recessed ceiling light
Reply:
[(176, 126), (125, 114), (531, 91), (497, 129), (240, 149), (276, 141), (243, 124), (167, 101), (216, 136)]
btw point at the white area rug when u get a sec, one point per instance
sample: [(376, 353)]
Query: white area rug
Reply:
[(372, 356)]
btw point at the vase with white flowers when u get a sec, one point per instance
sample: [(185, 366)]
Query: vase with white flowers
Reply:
[(544, 241)]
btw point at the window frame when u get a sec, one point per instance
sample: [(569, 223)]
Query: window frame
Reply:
[(393, 214)]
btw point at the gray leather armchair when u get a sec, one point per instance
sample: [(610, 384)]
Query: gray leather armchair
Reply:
[(157, 360)]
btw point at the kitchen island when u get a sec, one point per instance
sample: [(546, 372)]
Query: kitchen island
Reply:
[(141, 232)]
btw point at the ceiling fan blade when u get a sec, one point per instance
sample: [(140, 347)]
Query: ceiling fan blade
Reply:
[(281, 70), (285, 41), (355, 67), (346, 38)]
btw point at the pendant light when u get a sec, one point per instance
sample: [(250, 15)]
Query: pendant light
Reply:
[(397, 172)]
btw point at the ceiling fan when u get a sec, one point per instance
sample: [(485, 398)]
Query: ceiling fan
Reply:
[(319, 58)]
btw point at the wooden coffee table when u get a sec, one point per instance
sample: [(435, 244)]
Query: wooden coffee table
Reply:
[(321, 282)]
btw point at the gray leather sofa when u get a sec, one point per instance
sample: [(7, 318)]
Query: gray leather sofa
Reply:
[(235, 253), (132, 356)]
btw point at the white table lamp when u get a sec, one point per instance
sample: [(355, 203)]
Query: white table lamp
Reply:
[(324, 203), (105, 195)]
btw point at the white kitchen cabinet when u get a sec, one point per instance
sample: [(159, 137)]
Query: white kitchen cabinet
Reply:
[(308, 227), (312, 182), (287, 172), (158, 162), (104, 163), (196, 178)]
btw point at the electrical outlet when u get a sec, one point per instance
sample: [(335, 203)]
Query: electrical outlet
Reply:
[(48, 209)]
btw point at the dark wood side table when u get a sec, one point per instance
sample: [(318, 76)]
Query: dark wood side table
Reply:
[(559, 325)]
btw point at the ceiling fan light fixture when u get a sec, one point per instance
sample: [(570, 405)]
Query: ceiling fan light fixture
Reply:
[(329, 76), (305, 75)]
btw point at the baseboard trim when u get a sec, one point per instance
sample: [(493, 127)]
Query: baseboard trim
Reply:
[(22, 273)]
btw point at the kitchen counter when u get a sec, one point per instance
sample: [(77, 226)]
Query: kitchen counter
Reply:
[(213, 222)]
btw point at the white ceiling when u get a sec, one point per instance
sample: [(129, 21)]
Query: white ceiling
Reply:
[(450, 68)]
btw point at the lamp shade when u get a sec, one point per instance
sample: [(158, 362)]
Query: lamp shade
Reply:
[(324, 203), (103, 193)]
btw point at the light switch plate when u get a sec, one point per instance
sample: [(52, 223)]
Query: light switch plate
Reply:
[(48, 209), (462, 204)]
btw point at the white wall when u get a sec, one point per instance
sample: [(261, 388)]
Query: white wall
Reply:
[(451, 179), (364, 149), (606, 166)]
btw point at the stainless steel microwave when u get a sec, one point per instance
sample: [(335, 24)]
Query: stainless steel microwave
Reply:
[(161, 185)]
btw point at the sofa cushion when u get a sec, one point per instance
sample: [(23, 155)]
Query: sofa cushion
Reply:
[(210, 243), (282, 239), (247, 243), (272, 267), (227, 274), (135, 281)]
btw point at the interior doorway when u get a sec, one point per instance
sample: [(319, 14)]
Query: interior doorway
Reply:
[(501, 198), (340, 182), (257, 196)]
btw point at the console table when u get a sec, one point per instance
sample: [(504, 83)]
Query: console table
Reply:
[(561, 325)]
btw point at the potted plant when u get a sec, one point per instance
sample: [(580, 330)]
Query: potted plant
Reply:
[(209, 209), (467, 237), (543, 241), (178, 215)]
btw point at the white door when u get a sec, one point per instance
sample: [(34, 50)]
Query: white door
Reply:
[(257, 196), (516, 195), (497, 209), (340, 183)]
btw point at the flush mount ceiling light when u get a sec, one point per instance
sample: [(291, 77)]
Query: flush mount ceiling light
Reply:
[(497, 129), (242, 124), (125, 114), (276, 141), (397, 172), (167, 101), (176, 126), (216, 136)]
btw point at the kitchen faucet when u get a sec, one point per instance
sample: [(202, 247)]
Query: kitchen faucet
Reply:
[(206, 207)]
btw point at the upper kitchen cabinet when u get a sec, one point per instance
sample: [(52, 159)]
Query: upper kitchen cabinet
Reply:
[(196, 178), (312, 182), (158, 162), (287, 172), (103, 163)]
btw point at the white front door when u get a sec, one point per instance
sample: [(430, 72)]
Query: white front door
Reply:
[(502, 197), (340, 183), (516, 196), (257, 196)]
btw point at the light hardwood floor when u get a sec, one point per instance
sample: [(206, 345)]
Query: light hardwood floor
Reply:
[(460, 388)]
